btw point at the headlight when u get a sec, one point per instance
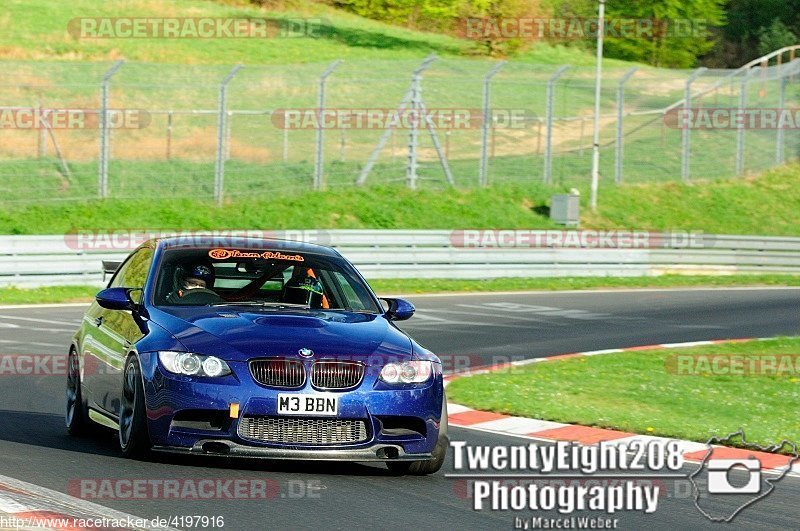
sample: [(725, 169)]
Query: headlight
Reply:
[(407, 372), (193, 364)]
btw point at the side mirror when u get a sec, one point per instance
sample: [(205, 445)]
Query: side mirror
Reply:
[(115, 299), (399, 309)]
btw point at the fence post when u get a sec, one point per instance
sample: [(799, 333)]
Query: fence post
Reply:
[(42, 147), (685, 132), (413, 132), (740, 130), (228, 121), (412, 93), (219, 169), (487, 80), (320, 130), (782, 81), (620, 103), (548, 147), (415, 115), (104, 131), (169, 135)]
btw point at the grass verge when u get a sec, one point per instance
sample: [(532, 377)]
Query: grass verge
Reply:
[(759, 205), (639, 394), (49, 294), (411, 285)]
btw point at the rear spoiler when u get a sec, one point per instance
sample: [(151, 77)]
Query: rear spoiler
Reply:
[(110, 267)]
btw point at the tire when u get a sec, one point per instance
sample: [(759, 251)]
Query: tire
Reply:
[(134, 440), (430, 466), (423, 468), (76, 416)]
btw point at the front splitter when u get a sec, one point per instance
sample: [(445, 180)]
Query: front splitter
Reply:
[(384, 453)]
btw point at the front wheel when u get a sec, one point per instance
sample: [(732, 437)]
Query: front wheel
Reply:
[(431, 466), (134, 440), (423, 468)]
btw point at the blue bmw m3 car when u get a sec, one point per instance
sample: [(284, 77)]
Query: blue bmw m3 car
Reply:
[(266, 348)]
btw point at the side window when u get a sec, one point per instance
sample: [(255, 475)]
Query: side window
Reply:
[(353, 300), (119, 277), (133, 272)]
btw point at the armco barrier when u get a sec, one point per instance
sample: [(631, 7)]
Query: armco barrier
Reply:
[(28, 261)]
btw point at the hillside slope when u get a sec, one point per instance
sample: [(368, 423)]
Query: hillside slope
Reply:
[(40, 30), (767, 204)]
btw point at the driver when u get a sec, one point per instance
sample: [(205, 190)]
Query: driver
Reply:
[(193, 280), (304, 288)]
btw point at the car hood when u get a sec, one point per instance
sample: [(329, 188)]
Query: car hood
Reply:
[(240, 335)]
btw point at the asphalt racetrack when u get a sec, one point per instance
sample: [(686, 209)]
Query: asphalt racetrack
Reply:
[(467, 330)]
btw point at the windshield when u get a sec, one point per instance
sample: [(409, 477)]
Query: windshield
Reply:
[(261, 278)]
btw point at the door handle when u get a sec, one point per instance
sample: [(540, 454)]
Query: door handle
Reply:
[(98, 320)]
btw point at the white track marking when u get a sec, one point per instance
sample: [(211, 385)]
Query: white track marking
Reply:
[(57, 305), (601, 352), (39, 320), (506, 317), (687, 344), (60, 502), (8, 505), (441, 322), (36, 343)]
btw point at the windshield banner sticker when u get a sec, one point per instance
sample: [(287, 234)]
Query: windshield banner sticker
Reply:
[(222, 254)]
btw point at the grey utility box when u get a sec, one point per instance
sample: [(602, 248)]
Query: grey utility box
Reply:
[(565, 209)]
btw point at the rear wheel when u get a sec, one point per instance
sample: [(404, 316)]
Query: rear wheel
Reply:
[(134, 440), (77, 418), (431, 466)]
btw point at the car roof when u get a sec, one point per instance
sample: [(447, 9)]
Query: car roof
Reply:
[(221, 241)]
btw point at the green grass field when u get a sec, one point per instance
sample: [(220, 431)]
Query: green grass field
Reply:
[(37, 29), (44, 64), (641, 394), (763, 205)]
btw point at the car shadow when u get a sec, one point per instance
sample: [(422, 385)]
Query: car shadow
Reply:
[(47, 430)]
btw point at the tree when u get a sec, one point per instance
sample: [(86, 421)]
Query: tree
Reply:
[(746, 19), (774, 37), (680, 30), (670, 33)]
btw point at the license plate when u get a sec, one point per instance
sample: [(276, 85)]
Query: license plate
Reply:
[(313, 404)]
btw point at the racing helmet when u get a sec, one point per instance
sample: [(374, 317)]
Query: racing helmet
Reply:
[(198, 270), (304, 289)]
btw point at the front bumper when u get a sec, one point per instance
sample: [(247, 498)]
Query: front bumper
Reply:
[(169, 396)]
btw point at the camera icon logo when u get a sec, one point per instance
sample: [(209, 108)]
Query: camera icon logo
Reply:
[(721, 470), (739, 477)]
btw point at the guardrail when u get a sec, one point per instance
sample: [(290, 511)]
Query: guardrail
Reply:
[(29, 261)]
